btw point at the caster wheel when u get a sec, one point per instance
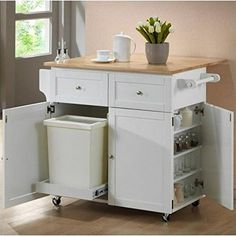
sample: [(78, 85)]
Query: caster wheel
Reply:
[(195, 204), (56, 201), (165, 217)]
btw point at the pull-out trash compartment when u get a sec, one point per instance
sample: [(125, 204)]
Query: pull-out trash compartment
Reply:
[(77, 151)]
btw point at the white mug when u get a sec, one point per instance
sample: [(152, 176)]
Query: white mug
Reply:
[(187, 115), (104, 55), (178, 121)]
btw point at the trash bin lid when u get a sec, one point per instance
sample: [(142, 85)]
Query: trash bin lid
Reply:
[(76, 122)]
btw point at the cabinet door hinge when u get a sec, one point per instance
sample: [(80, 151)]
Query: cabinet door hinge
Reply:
[(51, 109), (173, 121), (172, 204), (230, 117), (5, 118)]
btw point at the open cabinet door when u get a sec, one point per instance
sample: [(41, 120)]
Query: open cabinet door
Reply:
[(217, 155), (24, 152)]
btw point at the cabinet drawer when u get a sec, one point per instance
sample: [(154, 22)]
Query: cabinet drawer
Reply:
[(140, 91), (81, 87)]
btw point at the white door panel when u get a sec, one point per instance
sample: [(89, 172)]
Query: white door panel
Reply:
[(217, 158), (140, 170), (25, 152)]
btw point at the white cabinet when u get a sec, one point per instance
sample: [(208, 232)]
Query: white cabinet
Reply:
[(212, 170), (142, 159), (25, 155), (140, 153)]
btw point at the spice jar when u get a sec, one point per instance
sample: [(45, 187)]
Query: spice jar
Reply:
[(188, 142), (180, 145), (175, 146), (194, 140), (181, 166), (186, 190), (187, 164), (192, 189), (179, 193), (175, 198), (184, 144)]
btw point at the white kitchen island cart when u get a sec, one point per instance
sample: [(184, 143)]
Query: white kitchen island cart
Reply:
[(146, 170)]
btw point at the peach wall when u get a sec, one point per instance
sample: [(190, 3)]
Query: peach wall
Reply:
[(202, 29)]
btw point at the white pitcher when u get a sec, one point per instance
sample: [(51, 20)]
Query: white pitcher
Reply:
[(122, 47)]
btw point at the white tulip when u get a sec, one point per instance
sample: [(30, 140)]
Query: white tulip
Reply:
[(155, 18), (156, 24), (147, 24), (161, 22), (151, 29), (140, 24), (158, 28), (171, 30)]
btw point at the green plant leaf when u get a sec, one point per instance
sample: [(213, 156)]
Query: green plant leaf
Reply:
[(160, 35), (154, 37), (150, 35), (166, 32), (143, 33), (151, 21)]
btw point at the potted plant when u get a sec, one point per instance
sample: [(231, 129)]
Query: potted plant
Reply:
[(155, 32)]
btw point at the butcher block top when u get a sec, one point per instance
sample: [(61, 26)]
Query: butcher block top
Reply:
[(139, 64)]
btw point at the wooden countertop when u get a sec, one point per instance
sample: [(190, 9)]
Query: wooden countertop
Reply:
[(138, 63)]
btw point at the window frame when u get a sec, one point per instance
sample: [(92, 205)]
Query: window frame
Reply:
[(35, 16)]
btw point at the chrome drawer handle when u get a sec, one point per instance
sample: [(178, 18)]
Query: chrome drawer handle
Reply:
[(139, 93), (78, 87)]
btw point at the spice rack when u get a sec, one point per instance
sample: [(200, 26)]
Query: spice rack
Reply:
[(187, 168)]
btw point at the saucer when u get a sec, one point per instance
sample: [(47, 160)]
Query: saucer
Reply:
[(103, 61)]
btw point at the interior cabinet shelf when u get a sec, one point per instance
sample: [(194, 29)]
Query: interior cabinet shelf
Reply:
[(186, 128), (188, 201), (186, 175), (187, 151)]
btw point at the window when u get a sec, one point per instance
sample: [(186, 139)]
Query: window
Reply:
[(33, 28), (30, 6)]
